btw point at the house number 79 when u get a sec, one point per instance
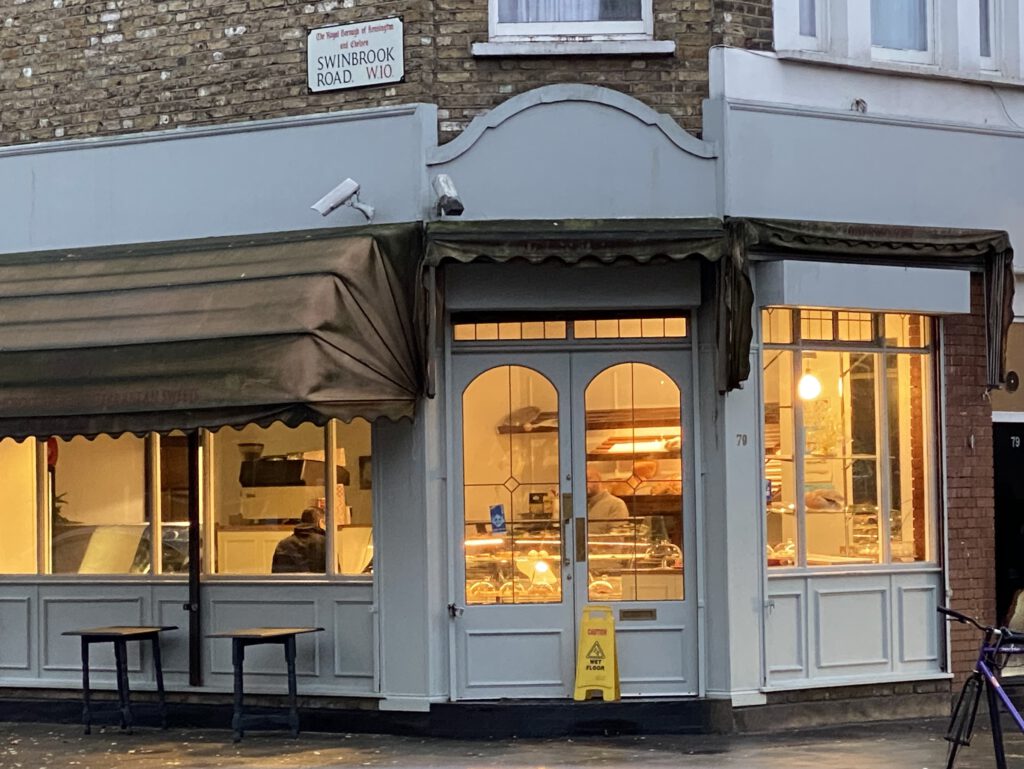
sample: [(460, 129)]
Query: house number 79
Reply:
[(741, 439)]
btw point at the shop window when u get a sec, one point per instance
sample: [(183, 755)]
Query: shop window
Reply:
[(630, 328), (471, 332), (849, 440), (512, 537), (173, 501), (19, 494), (101, 519), (270, 511)]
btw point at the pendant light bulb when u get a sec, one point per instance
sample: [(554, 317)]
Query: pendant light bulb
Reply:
[(809, 387)]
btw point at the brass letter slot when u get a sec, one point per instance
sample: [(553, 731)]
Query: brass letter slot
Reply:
[(581, 540), (637, 615)]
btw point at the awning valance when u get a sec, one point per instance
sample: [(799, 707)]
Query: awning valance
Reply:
[(581, 241), (986, 251), (147, 340)]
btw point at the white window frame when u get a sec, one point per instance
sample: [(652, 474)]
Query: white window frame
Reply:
[(995, 25), (927, 56), (787, 26), (571, 31)]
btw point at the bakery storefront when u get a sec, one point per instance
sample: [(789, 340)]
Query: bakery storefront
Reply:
[(731, 430)]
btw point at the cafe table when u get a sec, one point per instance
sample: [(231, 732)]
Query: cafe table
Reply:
[(119, 636), (243, 638)]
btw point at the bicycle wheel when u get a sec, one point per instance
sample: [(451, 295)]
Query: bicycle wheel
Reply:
[(961, 724)]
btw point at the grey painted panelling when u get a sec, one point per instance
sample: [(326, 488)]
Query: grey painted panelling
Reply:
[(546, 286), (862, 286), (254, 178), (580, 160), (855, 628), (16, 622)]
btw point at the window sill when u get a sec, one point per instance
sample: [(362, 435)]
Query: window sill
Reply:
[(888, 66), (584, 48)]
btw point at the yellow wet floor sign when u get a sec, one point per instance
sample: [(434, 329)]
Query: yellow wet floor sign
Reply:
[(597, 667)]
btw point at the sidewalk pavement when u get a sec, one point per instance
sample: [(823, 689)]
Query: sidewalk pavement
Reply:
[(904, 745)]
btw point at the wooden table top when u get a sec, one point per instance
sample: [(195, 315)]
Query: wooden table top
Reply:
[(121, 631), (256, 633)]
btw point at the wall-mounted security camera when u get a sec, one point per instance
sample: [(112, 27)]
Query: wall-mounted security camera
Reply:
[(448, 201), (346, 193)]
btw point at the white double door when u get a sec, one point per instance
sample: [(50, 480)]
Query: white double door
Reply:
[(573, 485)]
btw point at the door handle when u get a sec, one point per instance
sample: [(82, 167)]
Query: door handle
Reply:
[(581, 540)]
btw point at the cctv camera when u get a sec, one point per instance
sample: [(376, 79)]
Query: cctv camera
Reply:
[(340, 195), (448, 201)]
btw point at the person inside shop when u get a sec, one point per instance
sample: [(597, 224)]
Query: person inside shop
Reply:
[(604, 509), (305, 549)]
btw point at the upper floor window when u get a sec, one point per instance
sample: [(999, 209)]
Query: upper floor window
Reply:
[(901, 28), (558, 20), (962, 37)]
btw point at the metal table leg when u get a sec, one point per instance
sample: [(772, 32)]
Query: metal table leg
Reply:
[(86, 710), (121, 663), (237, 658), (293, 704), (158, 669)]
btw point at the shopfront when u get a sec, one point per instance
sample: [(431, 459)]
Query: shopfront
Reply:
[(734, 431)]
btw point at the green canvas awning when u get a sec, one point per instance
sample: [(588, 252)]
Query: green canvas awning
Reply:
[(579, 241), (162, 338), (986, 251)]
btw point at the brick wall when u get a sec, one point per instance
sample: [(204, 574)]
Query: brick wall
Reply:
[(75, 68), (970, 500)]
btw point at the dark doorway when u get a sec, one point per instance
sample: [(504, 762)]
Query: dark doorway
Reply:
[(1008, 450)]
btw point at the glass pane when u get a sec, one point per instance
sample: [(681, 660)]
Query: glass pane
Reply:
[(174, 493), (488, 331), (777, 325), (856, 326), (652, 327), (985, 26), (584, 329), (527, 11), (634, 485), (779, 443), (554, 329), (100, 522), (908, 383), (268, 499), (607, 329), (675, 326), (465, 332), (907, 330), (353, 498), (630, 327), (816, 324), (533, 330), (808, 18), (19, 504), (513, 548), (900, 24), (510, 331), (840, 499)]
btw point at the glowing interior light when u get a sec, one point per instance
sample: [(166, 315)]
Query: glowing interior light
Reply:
[(808, 387), (636, 447), (541, 566)]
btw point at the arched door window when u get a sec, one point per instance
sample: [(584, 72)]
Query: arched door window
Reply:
[(634, 447), (510, 444)]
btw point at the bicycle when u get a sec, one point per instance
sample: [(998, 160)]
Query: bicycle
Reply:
[(996, 646)]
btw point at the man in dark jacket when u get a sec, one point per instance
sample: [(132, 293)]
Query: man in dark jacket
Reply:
[(305, 549)]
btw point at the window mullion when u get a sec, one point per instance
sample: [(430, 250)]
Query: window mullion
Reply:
[(883, 438), (330, 496), (152, 503), (44, 511), (798, 464)]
